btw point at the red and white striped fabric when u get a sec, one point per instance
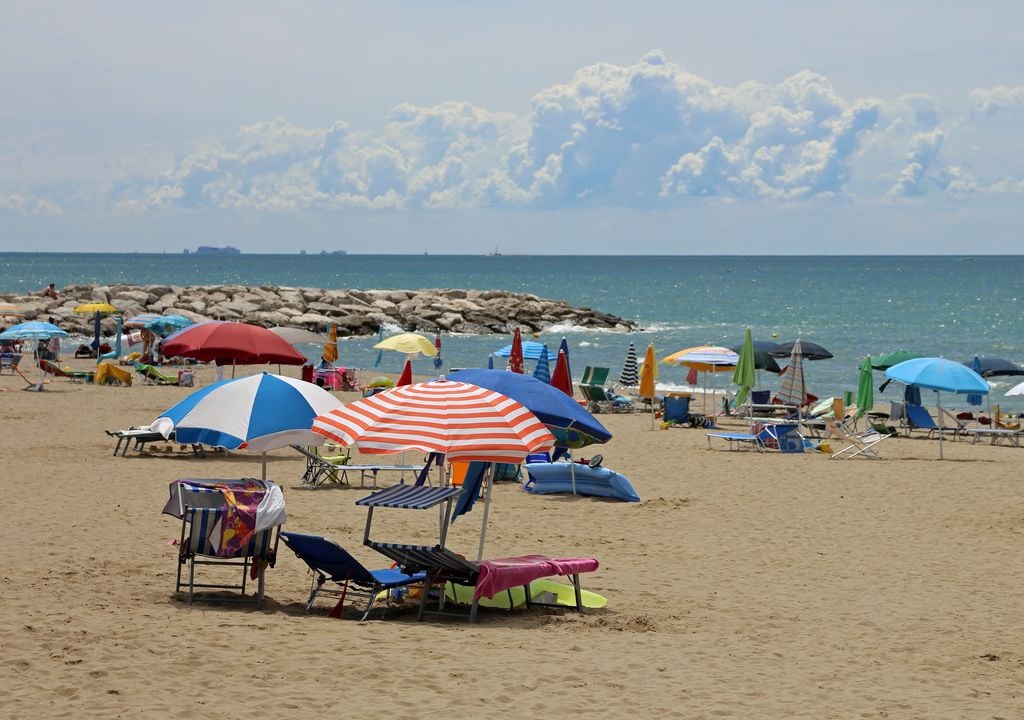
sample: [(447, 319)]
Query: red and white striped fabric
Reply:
[(463, 421)]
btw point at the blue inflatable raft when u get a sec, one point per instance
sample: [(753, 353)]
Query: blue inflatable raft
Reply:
[(548, 478)]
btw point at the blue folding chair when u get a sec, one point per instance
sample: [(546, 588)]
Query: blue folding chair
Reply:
[(329, 561)]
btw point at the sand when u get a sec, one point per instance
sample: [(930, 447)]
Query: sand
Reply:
[(744, 585)]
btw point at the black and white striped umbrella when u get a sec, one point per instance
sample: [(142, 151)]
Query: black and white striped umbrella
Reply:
[(630, 376)]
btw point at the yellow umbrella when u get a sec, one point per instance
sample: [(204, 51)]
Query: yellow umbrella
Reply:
[(90, 308), (648, 374), (408, 343), (331, 346)]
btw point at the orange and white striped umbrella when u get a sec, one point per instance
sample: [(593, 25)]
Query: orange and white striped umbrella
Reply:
[(463, 421)]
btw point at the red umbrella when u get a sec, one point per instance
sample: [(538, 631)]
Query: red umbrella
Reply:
[(406, 377), (224, 342), (560, 377), (463, 421), (515, 358)]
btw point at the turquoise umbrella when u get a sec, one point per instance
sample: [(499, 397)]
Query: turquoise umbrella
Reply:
[(743, 375), (543, 370)]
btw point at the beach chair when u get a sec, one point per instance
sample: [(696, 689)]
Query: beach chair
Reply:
[(151, 376), (320, 469), (9, 361), (918, 418), (736, 440), (857, 444), (75, 376), (490, 577), (600, 398), (327, 560), (202, 512)]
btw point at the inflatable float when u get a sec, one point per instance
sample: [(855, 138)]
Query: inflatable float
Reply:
[(559, 477), (548, 591)]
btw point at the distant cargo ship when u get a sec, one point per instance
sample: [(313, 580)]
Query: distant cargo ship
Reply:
[(210, 250)]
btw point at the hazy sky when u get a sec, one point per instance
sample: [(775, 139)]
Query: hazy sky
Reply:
[(535, 127)]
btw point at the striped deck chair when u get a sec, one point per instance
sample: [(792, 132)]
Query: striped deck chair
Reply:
[(199, 544)]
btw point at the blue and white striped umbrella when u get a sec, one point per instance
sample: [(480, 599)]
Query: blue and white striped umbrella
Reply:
[(32, 330), (258, 412), (531, 351), (543, 370)]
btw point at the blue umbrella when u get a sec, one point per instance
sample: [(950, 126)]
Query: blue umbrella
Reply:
[(380, 353), (490, 362), (571, 424), (163, 324), (258, 412), (531, 351), (940, 375), (543, 371)]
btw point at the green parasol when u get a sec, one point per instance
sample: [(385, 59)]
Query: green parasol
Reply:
[(865, 390), (744, 373), (886, 361)]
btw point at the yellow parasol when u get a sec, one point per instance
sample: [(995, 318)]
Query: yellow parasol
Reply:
[(408, 343), (648, 374), (331, 346), (91, 308)]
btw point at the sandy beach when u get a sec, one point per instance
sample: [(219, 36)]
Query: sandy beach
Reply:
[(744, 585)]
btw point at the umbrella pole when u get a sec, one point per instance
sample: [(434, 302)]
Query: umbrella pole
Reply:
[(487, 510), (232, 368), (572, 473), (938, 404)]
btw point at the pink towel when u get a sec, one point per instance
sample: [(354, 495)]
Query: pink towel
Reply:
[(505, 573)]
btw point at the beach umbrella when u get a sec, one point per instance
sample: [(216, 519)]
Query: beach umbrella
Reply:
[(808, 350), (465, 422), (234, 342), (299, 336), (563, 346), (97, 310), (490, 362), (543, 370), (551, 406), (165, 324), (940, 375), (406, 377), (1015, 390), (33, 330), (744, 373), (256, 413), (515, 357), (887, 360), (531, 351), (560, 378), (865, 389), (408, 343), (648, 374), (995, 367), (975, 398), (706, 359), (330, 353), (763, 359), (630, 375), (438, 362), (793, 391), (141, 321)]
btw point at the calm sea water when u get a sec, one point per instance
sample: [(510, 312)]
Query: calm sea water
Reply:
[(953, 307)]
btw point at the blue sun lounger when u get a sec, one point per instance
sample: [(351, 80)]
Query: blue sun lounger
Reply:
[(735, 440), (330, 561)]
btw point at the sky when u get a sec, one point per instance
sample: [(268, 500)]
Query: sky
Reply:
[(537, 127)]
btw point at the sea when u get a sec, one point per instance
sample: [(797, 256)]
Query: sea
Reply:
[(946, 306)]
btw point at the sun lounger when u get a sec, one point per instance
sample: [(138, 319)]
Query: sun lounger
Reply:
[(737, 440), (918, 418), (489, 577), (142, 435), (153, 376), (329, 561), (996, 436)]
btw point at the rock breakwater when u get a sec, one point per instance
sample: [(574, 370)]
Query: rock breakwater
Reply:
[(356, 312)]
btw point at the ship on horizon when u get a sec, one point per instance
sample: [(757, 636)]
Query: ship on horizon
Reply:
[(211, 250)]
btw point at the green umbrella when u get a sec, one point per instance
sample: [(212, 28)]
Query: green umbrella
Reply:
[(884, 362), (744, 373), (865, 390)]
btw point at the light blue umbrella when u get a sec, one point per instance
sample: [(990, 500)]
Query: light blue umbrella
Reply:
[(258, 412), (116, 352), (380, 353), (164, 324), (33, 330), (531, 351), (940, 375), (543, 370)]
